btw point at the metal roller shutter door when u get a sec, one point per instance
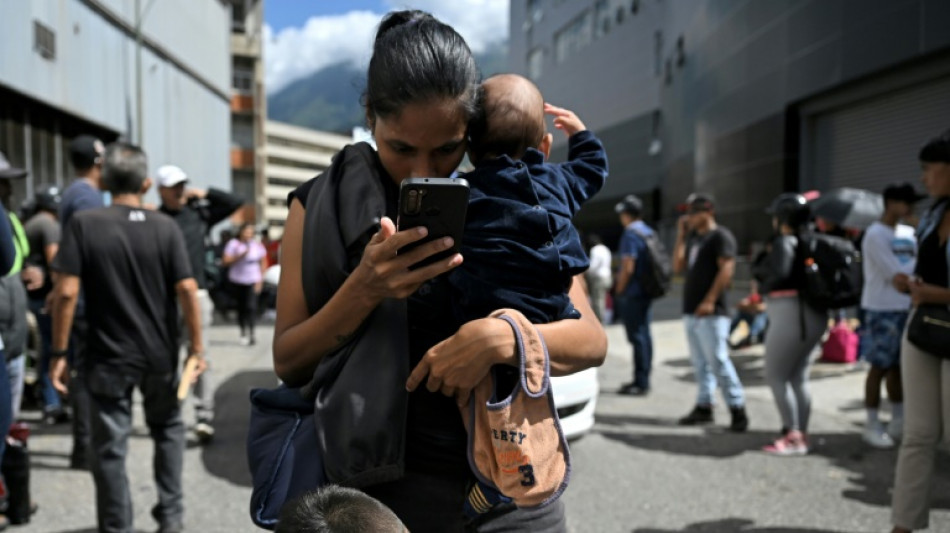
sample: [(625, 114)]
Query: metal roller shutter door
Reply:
[(875, 142)]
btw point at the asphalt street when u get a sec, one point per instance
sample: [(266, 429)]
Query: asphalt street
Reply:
[(635, 472)]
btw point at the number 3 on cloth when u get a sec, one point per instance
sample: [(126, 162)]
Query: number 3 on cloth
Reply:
[(528, 472)]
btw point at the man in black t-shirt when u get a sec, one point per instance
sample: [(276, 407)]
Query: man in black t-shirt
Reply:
[(134, 268), (196, 211), (707, 253)]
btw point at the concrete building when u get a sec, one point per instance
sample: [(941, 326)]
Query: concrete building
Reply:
[(69, 67), (294, 155), (741, 98), (248, 105)]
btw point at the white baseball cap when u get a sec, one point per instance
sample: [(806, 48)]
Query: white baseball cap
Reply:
[(170, 175)]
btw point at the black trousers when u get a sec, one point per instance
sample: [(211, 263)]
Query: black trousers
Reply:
[(246, 299), (111, 402)]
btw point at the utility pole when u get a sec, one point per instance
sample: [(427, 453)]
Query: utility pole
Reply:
[(139, 19)]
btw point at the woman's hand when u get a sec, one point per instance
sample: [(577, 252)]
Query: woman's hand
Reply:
[(457, 364), (923, 293), (384, 273)]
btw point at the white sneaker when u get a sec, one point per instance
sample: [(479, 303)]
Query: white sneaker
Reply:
[(204, 431), (895, 429), (877, 437), (245, 341)]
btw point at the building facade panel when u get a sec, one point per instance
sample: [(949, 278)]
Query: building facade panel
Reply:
[(294, 155), (732, 78), (68, 67)]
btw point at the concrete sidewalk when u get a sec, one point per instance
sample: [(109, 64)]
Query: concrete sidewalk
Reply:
[(640, 472), (636, 472)]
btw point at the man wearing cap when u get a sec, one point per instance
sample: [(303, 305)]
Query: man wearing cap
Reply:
[(13, 300), (196, 212), (85, 192), (889, 256), (8, 256), (634, 304), (706, 252)]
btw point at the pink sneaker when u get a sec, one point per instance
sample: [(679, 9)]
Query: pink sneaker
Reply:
[(793, 443)]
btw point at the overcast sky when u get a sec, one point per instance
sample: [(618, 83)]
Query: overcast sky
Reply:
[(301, 37)]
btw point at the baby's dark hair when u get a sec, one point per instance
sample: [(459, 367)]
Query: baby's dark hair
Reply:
[(937, 150), (335, 509), (510, 118), (417, 58)]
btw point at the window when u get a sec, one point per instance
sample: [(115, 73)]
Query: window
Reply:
[(574, 36), (242, 76), (680, 51), (601, 18), (535, 63), (634, 6), (535, 13), (44, 40), (238, 15)]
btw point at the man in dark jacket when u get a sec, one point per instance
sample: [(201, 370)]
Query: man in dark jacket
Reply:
[(197, 211)]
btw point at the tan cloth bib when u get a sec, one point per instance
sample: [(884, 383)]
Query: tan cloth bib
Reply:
[(515, 443)]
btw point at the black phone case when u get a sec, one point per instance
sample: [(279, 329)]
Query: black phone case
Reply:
[(439, 204)]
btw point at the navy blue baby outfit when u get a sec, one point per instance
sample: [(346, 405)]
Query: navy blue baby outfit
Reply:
[(520, 246)]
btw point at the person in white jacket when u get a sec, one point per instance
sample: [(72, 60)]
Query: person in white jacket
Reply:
[(599, 275)]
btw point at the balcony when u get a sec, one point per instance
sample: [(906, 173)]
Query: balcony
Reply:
[(242, 103), (242, 158)]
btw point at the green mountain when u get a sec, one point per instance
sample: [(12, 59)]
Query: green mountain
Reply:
[(329, 99)]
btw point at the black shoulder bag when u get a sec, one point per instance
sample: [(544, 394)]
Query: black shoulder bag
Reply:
[(929, 329)]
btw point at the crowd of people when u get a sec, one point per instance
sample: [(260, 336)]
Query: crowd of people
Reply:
[(899, 273), (151, 268)]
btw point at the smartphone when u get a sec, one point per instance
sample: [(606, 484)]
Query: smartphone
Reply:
[(439, 204)]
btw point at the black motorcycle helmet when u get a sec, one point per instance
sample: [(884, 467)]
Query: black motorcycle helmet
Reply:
[(790, 208), (48, 198)]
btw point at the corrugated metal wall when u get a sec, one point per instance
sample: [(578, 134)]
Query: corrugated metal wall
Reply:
[(875, 142), (92, 76)]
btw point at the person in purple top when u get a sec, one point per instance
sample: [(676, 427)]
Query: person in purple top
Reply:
[(245, 256)]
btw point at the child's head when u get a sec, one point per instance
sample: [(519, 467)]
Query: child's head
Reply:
[(510, 119), (334, 509)]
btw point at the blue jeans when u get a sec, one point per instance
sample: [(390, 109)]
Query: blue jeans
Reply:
[(708, 338), (6, 405), (636, 320), (16, 371), (757, 323), (44, 322)]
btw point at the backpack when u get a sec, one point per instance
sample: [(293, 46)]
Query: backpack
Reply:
[(658, 277), (832, 271), (841, 345)]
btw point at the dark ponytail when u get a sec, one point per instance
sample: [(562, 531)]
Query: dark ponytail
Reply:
[(417, 58)]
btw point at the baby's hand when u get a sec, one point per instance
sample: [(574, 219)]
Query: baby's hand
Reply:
[(565, 120)]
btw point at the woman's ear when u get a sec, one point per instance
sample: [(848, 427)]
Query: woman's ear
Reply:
[(545, 146), (371, 121), (146, 185)]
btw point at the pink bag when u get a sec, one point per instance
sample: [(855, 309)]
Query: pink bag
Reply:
[(841, 345)]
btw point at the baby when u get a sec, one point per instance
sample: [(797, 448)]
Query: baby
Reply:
[(520, 246)]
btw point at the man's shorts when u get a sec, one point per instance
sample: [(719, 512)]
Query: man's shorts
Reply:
[(881, 341)]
